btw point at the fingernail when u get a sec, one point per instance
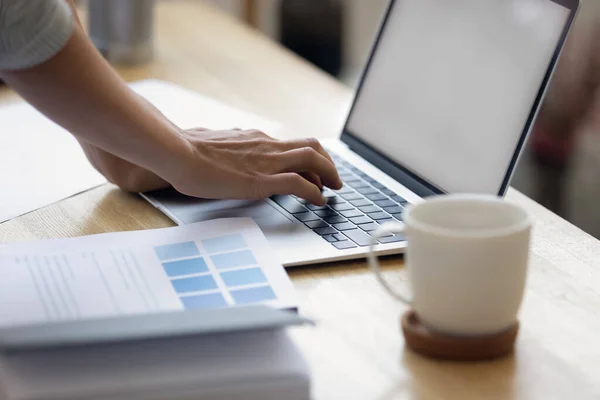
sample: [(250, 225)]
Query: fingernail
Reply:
[(323, 201)]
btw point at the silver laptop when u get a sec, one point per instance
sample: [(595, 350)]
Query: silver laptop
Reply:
[(445, 104)]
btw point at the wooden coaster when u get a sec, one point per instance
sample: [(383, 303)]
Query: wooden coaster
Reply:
[(457, 348)]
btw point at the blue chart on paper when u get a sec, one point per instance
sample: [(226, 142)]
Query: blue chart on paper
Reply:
[(225, 274)]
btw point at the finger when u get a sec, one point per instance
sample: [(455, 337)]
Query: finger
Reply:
[(308, 142), (306, 160), (291, 183), (313, 178), (315, 145)]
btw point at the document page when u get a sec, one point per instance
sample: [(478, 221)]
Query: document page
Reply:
[(219, 263)]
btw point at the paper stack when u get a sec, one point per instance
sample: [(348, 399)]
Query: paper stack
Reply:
[(189, 312), (259, 364)]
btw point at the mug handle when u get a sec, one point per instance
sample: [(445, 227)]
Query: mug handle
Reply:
[(385, 230)]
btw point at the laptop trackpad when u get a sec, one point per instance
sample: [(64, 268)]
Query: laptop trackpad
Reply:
[(189, 209)]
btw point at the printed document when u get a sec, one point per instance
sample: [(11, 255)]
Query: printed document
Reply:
[(218, 263)]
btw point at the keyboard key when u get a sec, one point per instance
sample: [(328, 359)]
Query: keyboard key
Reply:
[(342, 206), (339, 236), (399, 199), (385, 220), (306, 216), (370, 180), (351, 213), (358, 236), (388, 192), (392, 239), (344, 226), (379, 215), (316, 224), (360, 202), (376, 197), (314, 207), (369, 209), (398, 216), (369, 227), (351, 196), (330, 238), (289, 204), (351, 178), (335, 200), (300, 200), (334, 219), (384, 203), (378, 186), (363, 219), (386, 235), (328, 212), (344, 244), (325, 231), (367, 190), (345, 189), (358, 184), (328, 193), (394, 209)]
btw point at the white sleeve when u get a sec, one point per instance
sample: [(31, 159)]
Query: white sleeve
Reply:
[(32, 31)]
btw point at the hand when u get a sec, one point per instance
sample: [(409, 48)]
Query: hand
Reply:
[(236, 164), (126, 175)]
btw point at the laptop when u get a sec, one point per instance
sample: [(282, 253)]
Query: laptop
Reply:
[(444, 105)]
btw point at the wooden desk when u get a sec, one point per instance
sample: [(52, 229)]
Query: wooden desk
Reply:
[(356, 351)]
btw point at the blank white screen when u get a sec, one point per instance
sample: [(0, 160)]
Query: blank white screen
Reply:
[(451, 86)]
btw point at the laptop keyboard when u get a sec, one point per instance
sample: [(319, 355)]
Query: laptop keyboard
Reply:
[(351, 213)]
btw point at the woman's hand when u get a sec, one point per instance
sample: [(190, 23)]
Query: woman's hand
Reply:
[(249, 164), (124, 174)]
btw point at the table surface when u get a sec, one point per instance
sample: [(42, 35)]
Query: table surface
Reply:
[(356, 350)]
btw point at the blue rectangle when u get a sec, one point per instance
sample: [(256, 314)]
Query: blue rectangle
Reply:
[(253, 295), (212, 300), (243, 277), (242, 258), (224, 243), (195, 284), (184, 267), (176, 250)]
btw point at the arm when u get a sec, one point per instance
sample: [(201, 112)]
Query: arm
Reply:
[(77, 89), (124, 174)]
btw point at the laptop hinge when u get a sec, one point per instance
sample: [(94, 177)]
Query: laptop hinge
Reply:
[(404, 177)]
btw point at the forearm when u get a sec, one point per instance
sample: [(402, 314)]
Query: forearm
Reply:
[(78, 90)]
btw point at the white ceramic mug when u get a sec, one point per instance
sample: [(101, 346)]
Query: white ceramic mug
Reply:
[(467, 260)]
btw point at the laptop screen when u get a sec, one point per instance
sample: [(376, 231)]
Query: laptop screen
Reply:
[(451, 86)]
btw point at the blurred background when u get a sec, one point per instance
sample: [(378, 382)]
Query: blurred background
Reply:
[(561, 165)]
